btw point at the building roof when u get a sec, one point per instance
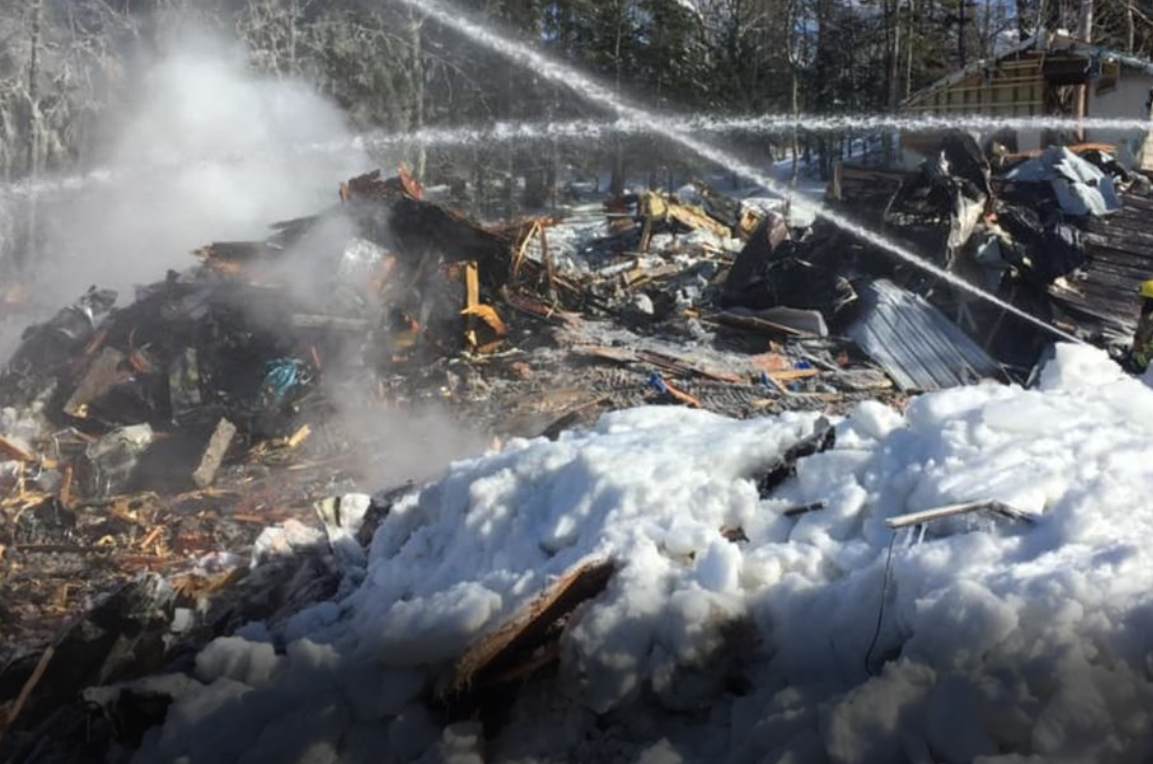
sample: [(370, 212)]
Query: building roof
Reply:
[(1058, 41)]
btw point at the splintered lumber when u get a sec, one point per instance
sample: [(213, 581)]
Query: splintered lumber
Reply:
[(104, 374), (536, 308), (953, 510), (681, 366), (410, 184), (237, 252), (13, 451), (638, 277), (522, 247), (748, 223), (653, 206), (696, 219), (214, 453), (719, 207), (489, 316), (686, 366), (680, 395), (517, 641), (9, 713), (791, 375), (608, 353), (417, 228), (755, 324)]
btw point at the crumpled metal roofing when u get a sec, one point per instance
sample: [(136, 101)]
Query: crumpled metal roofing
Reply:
[(916, 345), (1081, 187)]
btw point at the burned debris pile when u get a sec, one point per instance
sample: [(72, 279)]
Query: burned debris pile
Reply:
[(165, 436), (1062, 234), (146, 449)]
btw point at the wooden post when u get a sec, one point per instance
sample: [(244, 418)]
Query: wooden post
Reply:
[(940, 513)]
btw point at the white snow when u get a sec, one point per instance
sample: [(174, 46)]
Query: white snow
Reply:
[(285, 539), (1001, 641)]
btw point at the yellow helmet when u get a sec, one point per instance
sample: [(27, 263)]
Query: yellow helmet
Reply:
[(1146, 289)]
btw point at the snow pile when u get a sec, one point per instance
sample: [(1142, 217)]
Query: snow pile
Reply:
[(999, 640)]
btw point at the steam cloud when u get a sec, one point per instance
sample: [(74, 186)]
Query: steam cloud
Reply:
[(206, 150)]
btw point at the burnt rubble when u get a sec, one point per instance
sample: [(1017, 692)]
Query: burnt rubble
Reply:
[(144, 449)]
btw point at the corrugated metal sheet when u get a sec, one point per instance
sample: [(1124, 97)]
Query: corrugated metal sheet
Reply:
[(914, 342), (1102, 296)]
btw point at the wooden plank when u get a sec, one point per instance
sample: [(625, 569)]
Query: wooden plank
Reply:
[(1133, 230), (1140, 202), (522, 248), (471, 301), (1120, 237), (1119, 256), (755, 324), (1130, 274), (103, 374), (954, 510), (488, 314), (499, 651), (13, 451), (214, 454), (790, 375), (9, 713), (549, 265), (472, 284), (684, 365), (696, 219)]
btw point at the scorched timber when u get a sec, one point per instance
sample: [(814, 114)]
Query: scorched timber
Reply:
[(415, 228), (505, 653)]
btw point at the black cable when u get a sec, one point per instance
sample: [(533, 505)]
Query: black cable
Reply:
[(881, 610)]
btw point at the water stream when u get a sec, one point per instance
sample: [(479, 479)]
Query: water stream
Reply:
[(591, 129)]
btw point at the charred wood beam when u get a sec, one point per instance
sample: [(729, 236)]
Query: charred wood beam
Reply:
[(532, 632), (786, 465)]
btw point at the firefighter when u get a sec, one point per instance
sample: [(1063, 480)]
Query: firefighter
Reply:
[(1142, 352)]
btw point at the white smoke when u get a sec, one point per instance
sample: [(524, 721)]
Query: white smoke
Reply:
[(205, 151)]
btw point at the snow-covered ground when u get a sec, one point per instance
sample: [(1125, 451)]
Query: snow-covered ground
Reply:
[(1000, 641)]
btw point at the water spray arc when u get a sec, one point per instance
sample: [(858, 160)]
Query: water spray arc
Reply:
[(593, 129), (545, 67), (768, 124), (816, 123)]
